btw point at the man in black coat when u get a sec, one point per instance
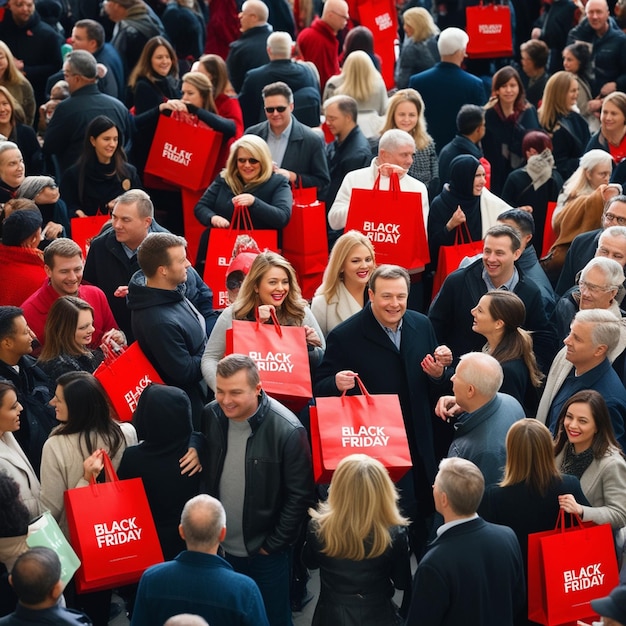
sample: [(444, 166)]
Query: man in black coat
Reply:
[(65, 134), (450, 312), (391, 350), (608, 50), (280, 68), (35, 45), (250, 50), (112, 260), (169, 329), (350, 150), (473, 573), (297, 151), (34, 389)]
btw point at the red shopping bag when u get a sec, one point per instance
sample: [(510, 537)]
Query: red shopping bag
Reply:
[(365, 424), (549, 237), (184, 151), (393, 221), (380, 16), (305, 240), (489, 30), (567, 568), (282, 356), (450, 256), (124, 378), (84, 229), (220, 251), (193, 228), (112, 531)]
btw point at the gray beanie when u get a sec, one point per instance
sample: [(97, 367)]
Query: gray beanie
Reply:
[(33, 185), (20, 225)]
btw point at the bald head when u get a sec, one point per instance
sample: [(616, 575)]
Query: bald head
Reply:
[(597, 13), (253, 13), (203, 524), (336, 14)]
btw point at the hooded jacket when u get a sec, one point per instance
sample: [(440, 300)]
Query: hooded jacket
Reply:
[(168, 330), (163, 424)]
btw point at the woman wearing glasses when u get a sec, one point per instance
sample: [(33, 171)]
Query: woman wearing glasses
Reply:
[(248, 180)]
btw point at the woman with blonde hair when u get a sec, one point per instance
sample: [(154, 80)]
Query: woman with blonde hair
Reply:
[(406, 112), (508, 117), (271, 285), (559, 118), (527, 498), (419, 49), (498, 317), (247, 180), (17, 84), (358, 540), (343, 291), (360, 79)]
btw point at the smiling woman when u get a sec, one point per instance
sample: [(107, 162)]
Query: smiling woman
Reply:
[(69, 330), (270, 284), (13, 461)]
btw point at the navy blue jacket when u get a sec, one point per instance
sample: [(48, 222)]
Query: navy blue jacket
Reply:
[(472, 574)]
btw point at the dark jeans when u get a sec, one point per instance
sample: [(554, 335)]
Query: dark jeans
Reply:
[(271, 574)]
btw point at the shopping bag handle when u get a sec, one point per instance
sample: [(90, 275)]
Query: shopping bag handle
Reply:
[(241, 219), (364, 391), (462, 231), (277, 326), (112, 353), (394, 182), (560, 520), (109, 471)]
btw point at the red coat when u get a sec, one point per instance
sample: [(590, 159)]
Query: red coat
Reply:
[(36, 309), (319, 44), (22, 273)]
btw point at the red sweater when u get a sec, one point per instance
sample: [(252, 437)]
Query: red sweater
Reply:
[(319, 44), (36, 309)]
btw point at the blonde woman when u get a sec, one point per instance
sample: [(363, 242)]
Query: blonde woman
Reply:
[(419, 48), (406, 112), (361, 80), (247, 180), (358, 540), (567, 128), (17, 84), (343, 291), (271, 284)]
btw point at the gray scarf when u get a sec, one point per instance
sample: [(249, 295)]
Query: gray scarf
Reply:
[(539, 168)]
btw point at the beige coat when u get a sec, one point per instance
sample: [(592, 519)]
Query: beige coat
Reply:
[(14, 462)]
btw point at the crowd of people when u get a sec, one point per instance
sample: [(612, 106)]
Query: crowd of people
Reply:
[(509, 364)]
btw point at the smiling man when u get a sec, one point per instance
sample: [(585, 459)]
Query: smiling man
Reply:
[(585, 363), (394, 351), (450, 312), (63, 263), (259, 466)]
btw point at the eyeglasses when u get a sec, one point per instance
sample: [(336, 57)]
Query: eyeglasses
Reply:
[(583, 284), (272, 109), (341, 15), (242, 160), (52, 186), (610, 217), (233, 283)]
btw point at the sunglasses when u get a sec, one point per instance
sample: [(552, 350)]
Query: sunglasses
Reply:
[(272, 109), (243, 160)]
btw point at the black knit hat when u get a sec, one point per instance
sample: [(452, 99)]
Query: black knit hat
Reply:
[(20, 225)]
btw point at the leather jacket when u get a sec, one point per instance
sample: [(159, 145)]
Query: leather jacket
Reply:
[(278, 473)]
